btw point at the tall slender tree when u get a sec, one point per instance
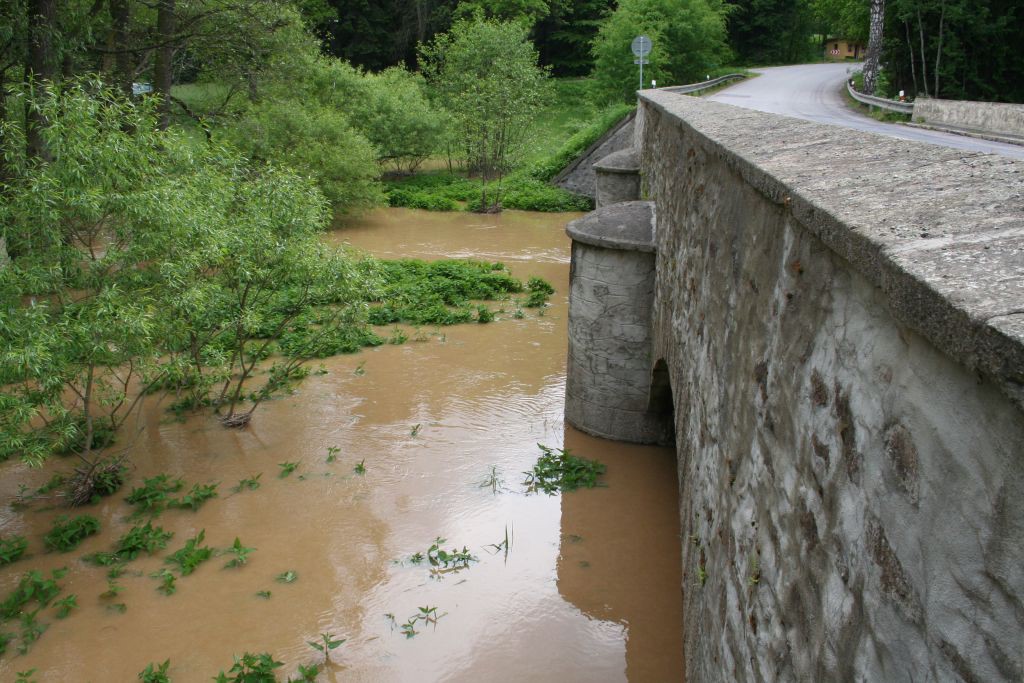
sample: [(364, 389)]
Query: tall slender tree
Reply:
[(874, 54)]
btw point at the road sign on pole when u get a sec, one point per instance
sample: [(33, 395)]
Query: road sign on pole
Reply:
[(641, 47)]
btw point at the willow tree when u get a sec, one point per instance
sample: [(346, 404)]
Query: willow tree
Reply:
[(486, 74)]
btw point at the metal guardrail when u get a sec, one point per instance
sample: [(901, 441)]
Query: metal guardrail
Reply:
[(703, 85), (881, 102)]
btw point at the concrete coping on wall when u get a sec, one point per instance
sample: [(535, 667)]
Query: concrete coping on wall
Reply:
[(627, 226), (939, 230), (625, 161)]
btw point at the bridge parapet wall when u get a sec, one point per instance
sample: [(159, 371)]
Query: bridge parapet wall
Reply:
[(991, 117), (842, 316)]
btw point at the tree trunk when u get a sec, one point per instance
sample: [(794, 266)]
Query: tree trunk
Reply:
[(120, 14), (42, 19), (163, 76), (874, 46), (924, 61), (910, 51), (938, 50)]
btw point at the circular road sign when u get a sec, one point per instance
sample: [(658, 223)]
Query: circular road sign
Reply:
[(641, 46)]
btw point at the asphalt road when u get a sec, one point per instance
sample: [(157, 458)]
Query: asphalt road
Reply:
[(814, 92)]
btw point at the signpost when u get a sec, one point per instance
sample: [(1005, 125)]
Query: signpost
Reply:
[(641, 48)]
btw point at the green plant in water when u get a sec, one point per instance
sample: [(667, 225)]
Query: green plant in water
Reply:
[(250, 484), (31, 630), (286, 468), (197, 495), (152, 497), (326, 643), (427, 615), (415, 431), (447, 561), (360, 369), (67, 533), (286, 577), (156, 673), (32, 587), (191, 555), (241, 554), (417, 558), (251, 668), (398, 337), (484, 314), (167, 580), (504, 545), (113, 589), (560, 470), (492, 481), (263, 594), (12, 549), (118, 607), (360, 467), (332, 453), (307, 674), (65, 605), (138, 539), (25, 676)]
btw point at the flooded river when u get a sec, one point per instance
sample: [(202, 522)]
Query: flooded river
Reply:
[(588, 590)]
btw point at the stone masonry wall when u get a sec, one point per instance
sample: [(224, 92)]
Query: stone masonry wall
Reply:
[(994, 117), (846, 378)]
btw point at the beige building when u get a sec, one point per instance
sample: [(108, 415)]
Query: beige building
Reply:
[(838, 49)]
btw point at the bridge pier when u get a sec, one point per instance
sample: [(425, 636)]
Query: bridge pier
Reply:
[(608, 387)]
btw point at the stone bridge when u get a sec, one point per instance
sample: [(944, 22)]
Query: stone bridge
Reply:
[(829, 325)]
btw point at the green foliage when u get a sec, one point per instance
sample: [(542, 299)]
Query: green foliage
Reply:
[(156, 673), (773, 31), (251, 668), (12, 549), (316, 140), (286, 469), (241, 554), (167, 581), (444, 561), (250, 484), (579, 142), (191, 555), (65, 605), (152, 497), (559, 470), (360, 467), (326, 644), (197, 495), (68, 533), (287, 577), (32, 587), (486, 74), (688, 38), (139, 539)]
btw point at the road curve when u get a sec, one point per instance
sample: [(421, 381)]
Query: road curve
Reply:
[(814, 92)]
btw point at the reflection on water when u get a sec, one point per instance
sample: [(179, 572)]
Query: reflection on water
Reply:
[(589, 590)]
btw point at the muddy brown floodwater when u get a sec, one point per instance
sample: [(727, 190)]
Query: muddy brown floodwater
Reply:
[(588, 591)]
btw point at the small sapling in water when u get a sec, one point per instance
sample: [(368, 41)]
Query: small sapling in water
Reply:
[(263, 594), (332, 453), (191, 555), (286, 468), (250, 668), (415, 430), (199, 494), (287, 577), (167, 580), (156, 673), (11, 549), (241, 554), (326, 643), (65, 605), (360, 467), (250, 484)]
